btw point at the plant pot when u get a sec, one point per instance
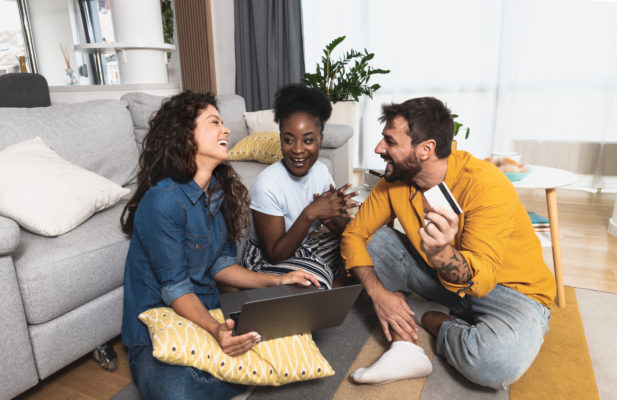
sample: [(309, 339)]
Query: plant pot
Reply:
[(346, 113)]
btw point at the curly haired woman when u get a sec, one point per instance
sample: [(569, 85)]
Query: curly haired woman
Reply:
[(184, 218)]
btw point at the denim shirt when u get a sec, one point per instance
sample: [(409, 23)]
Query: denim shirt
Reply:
[(179, 243)]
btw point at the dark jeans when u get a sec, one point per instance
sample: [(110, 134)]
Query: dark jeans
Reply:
[(157, 380)]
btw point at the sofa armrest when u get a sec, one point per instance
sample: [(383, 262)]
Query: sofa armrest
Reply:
[(336, 135), (9, 235)]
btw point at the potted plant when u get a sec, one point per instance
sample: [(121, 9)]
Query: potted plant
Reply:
[(346, 78), (457, 126)]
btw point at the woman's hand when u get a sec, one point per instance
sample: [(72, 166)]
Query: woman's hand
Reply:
[(299, 277), (234, 345), (331, 203)]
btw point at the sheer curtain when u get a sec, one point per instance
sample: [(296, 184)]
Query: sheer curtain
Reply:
[(517, 72)]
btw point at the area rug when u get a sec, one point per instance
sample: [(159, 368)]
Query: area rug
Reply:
[(563, 367), (372, 350), (562, 370)]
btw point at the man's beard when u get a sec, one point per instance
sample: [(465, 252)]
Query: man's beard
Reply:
[(405, 171)]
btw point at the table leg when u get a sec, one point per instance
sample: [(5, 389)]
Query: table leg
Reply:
[(553, 218)]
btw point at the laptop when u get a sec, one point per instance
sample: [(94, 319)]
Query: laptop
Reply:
[(286, 310)]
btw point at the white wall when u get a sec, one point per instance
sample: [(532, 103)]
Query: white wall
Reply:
[(224, 45), (51, 24)]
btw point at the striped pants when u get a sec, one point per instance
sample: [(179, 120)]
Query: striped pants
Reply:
[(319, 256)]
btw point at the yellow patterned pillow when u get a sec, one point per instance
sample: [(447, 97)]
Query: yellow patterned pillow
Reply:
[(178, 341), (264, 147)]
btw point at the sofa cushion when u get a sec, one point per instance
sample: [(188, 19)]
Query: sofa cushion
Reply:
[(179, 341), (261, 121), (48, 195), (58, 274), (143, 106), (95, 135), (264, 147), (9, 235), (248, 170), (336, 135), (232, 108)]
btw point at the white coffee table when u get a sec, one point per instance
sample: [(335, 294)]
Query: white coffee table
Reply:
[(550, 179)]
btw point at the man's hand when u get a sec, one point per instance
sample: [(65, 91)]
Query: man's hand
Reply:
[(234, 345), (436, 238), (439, 232), (394, 312), (299, 277), (391, 307)]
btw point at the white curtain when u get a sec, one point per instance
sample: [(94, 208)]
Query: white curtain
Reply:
[(540, 70)]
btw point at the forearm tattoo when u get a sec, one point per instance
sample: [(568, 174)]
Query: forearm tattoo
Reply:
[(455, 269)]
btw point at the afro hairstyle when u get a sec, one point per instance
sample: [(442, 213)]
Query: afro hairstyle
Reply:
[(295, 98)]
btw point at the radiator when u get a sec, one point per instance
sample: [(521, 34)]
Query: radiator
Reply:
[(587, 158)]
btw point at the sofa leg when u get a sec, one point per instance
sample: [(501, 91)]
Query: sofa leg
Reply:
[(106, 356)]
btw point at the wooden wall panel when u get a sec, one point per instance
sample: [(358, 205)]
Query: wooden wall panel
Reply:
[(195, 44)]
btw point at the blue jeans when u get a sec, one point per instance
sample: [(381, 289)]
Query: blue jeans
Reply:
[(493, 339), (157, 380)]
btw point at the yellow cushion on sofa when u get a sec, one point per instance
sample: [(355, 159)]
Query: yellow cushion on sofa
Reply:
[(264, 147), (178, 341)]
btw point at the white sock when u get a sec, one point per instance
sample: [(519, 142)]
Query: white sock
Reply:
[(404, 360), (421, 307)]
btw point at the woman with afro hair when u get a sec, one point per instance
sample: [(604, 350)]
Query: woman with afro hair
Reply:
[(293, 197)]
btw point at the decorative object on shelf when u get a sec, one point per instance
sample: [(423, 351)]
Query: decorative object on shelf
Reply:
[(70, 78), (22, 64), (340, 80), (167, 13)]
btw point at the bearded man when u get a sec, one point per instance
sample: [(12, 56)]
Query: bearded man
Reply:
[(482, 273)]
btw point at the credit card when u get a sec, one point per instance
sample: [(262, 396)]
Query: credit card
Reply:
[(440, 196)]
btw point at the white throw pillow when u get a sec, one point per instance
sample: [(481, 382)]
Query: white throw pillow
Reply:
[(48, 195), (261, 121)]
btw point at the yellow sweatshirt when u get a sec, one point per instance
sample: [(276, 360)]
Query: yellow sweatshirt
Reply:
[(495, 234)]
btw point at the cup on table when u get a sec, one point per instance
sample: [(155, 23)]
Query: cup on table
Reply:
[(499, 156)]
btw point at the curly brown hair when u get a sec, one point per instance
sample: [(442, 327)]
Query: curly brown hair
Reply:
[(168, 151)]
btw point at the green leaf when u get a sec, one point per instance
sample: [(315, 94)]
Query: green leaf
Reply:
[(345, 78)]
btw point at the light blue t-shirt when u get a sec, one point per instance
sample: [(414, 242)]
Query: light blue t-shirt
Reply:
[(277, 192)]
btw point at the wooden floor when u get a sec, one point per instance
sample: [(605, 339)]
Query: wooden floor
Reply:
[(589, 252), (589, 261), (84, 380)]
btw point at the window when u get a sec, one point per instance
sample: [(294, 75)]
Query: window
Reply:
[(15, 38), (98, 27)]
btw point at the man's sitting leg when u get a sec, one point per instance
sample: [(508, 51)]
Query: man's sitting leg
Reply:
[(404, 359), (501, 343), (421, 307)]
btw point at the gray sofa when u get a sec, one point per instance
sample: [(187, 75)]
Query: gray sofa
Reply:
[(62, 297)]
